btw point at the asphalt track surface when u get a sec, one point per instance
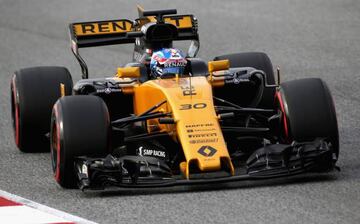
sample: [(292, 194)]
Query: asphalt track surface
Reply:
[(309, 38)]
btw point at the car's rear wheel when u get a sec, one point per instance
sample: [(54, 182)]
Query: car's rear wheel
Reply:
[(308, 111), (33, 94), (244, 95), (80, 126)]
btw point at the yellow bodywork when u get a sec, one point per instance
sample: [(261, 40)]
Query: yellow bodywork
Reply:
[(196, 128), (62, 89), (128, 72)]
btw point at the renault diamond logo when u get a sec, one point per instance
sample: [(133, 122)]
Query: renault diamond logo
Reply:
[(207, 151)]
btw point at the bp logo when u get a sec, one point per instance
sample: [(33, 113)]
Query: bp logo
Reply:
[(207, 151)]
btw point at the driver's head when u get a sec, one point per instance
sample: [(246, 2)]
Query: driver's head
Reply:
[(167, 61)]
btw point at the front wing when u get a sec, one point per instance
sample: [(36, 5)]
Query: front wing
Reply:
[(272, 161)]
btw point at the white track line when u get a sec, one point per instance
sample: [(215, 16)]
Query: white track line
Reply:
[(31, 208)]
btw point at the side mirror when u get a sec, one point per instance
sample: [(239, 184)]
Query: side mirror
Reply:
[(128, 72), (218, 65)]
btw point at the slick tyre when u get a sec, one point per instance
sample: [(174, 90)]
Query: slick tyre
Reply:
[(80, 126), (256, 60), (308, 111), (34, 91)]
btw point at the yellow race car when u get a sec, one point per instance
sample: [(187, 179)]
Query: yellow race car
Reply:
[(169, 118)]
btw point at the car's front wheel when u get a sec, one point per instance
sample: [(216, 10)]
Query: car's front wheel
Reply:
[(308, 112), (80, 126)]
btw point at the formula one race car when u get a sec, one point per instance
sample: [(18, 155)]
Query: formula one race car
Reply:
[(170, 119)]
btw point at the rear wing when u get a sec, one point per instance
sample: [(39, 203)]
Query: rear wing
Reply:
[(101, 33), (124, 31)]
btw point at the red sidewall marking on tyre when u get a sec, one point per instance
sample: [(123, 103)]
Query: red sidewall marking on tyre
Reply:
[(16, 105), (286, 129), (57, 171)]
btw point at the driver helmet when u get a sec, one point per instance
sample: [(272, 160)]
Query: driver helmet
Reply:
[(167, 61)]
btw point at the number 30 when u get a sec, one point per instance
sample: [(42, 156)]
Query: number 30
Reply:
[(195, 106)]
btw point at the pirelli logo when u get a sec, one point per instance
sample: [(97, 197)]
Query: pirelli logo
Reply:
[(101, 28)]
